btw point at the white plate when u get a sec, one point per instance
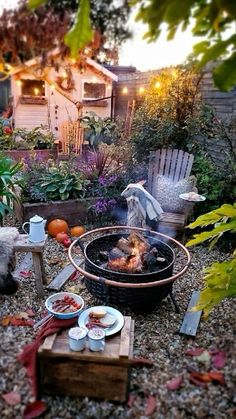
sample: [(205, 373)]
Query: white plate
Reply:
[(186, 197), (116, 327)]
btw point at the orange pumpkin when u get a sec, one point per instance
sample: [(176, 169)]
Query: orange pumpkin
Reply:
[(57, 226), (77, 231)]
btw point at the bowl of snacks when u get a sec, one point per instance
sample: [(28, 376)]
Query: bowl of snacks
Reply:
[(64, 305)]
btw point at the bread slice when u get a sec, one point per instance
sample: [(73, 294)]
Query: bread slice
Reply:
[(98, 313), (108, 320)]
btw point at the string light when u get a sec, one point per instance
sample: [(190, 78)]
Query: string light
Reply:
[(125, 90), (64, 75), (174, 74), (53, 86), (141, 90), (157, 84), (73, 60), (94, 79)]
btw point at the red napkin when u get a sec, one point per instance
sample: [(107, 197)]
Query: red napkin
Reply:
[(28, 357)]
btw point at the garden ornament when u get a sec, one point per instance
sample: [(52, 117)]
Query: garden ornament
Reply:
[(36, 229), (141, 205)]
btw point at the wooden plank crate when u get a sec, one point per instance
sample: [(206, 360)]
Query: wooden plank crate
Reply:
[(103, 375)]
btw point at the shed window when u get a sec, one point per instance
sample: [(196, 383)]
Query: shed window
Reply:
[(94, 90), (32, 88)]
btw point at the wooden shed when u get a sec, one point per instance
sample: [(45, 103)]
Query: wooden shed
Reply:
[(39, 100)]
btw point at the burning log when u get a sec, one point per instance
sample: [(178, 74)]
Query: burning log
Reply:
[(124, 245), (130, 264)]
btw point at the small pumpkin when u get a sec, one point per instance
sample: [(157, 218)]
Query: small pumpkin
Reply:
[(57, 226), (77, 231)]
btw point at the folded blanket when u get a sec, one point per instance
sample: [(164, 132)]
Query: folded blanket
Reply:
[(141, 205), (28, 357)]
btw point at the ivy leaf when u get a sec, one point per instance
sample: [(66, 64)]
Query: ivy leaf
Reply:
[(81, 32), (33, 4)]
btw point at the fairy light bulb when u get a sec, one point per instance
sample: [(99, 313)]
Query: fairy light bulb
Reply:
[(141, 90), (64, 75), (19, 83), (125, 90), (53, 86), (157, 84), (94, 79)]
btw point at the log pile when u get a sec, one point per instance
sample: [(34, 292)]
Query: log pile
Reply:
[(133, 254)]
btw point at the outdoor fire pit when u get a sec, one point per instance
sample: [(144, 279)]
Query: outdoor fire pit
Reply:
[(117, 272)]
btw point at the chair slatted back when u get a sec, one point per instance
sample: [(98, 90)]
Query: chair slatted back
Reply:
[(72, 137), (174, 164)]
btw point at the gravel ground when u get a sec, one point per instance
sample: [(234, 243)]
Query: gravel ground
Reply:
[(156, 337)]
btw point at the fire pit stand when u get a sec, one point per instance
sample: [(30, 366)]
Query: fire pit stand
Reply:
[(136, 290)]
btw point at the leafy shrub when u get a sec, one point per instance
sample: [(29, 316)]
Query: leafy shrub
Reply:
[(23, 139), (97, 129), (8, 170), (220, 278)]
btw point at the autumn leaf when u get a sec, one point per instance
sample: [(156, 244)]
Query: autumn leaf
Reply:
[(30, 312), (217, 376), (131, 399), (175, 383), (219, 359), (150, 406), (201, 376), (6, 320), (74, 276), (22, 315), (35, 409), (25, 274), (197, 382), (194, 351), (12, 398), (204, 358), (21, 322)]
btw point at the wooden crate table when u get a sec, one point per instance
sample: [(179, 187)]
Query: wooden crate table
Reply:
[(94, 374), (22, 244)]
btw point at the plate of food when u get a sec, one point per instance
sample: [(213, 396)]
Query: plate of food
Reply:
[(64, 305), (192, 196), (110, 319)]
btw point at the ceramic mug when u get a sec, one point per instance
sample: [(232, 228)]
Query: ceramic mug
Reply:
[(96, 339), (77, 338)]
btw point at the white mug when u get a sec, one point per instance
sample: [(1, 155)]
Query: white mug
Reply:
[(77, 338), (96, 339)]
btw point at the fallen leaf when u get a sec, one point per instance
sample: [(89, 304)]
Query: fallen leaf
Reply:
[(219, 359), (22, 315), (54, 260), (76, 289), (150, 406), (197, 382), (140, 362), (201, 376), (217, 377), (30, 312), (25, 274), (12, 398), (5, 321), (35, 409), (21, 322), (175, 383), (74, 276), (204, 358), (131, 399), (194, 351)]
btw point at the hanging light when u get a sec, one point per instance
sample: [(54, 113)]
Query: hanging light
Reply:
[(157, 84), (94, 79), (141, 90), (125, 90)]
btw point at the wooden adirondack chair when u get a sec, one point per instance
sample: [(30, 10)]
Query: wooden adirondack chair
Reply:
[(175, 165)]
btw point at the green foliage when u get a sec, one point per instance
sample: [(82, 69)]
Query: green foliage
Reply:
[(21, 138), (33, 4), (7, 172), (220, 278), (211, 20), (62, 182), (98, 129), (81, 32), (171, 113)]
